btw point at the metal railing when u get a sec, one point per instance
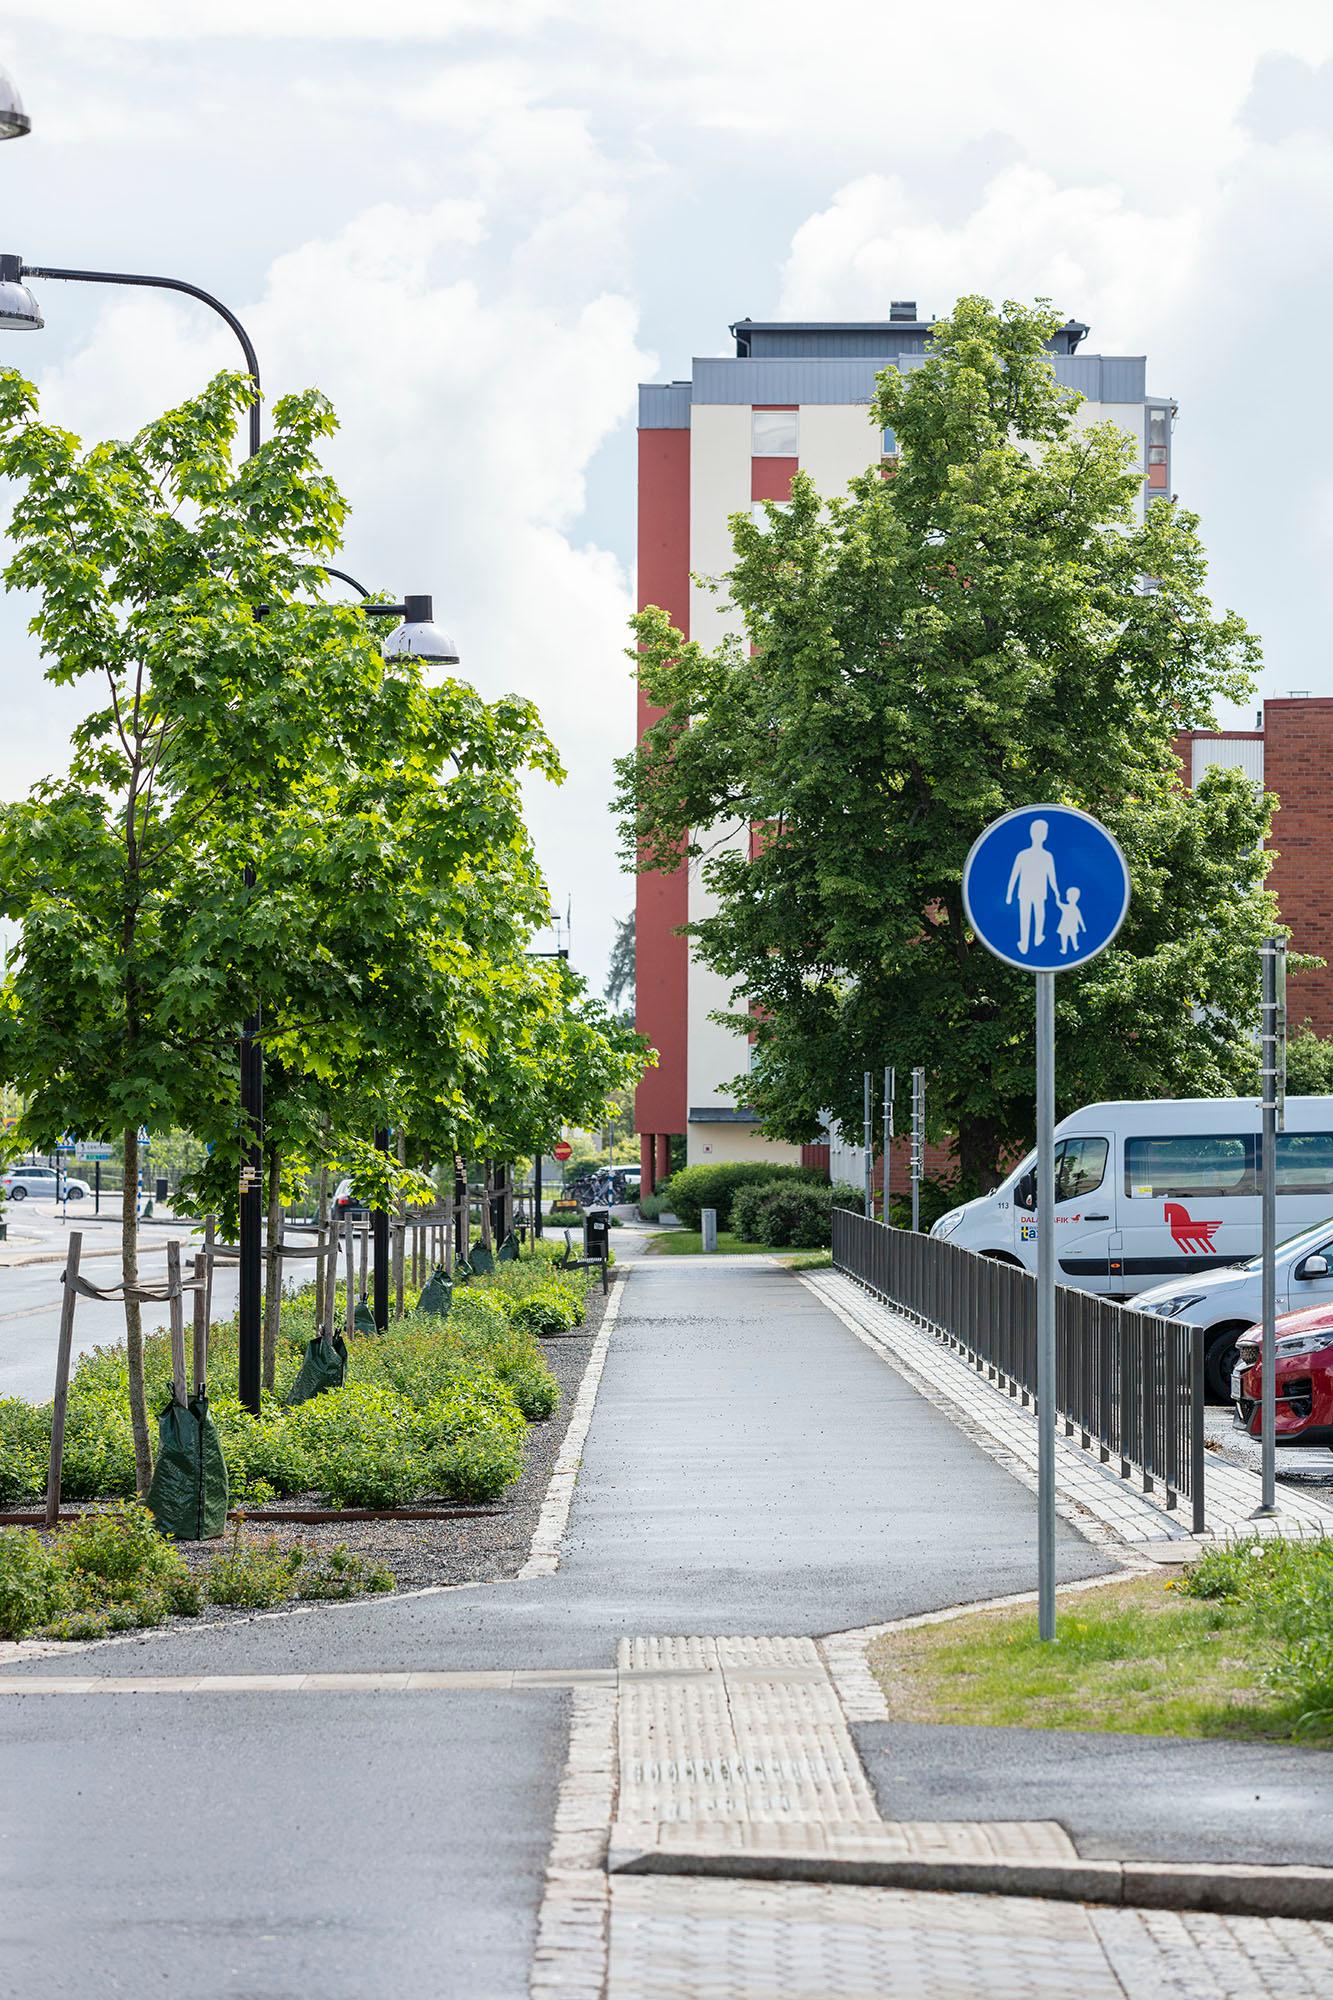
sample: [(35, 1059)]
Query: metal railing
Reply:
[(1128, 1383)]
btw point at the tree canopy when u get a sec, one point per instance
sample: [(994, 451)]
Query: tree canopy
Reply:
[(993, 622)]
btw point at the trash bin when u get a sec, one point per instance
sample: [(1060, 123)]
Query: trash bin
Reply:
[(160, 1188), (597, 1233)]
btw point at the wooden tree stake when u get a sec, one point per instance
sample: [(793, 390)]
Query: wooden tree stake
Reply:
[(63, 1350)]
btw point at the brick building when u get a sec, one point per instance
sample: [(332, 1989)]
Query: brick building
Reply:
[(1291, 755)]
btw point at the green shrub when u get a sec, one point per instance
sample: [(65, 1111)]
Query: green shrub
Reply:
[(340, 1573), (652, 1207), (30, 1589), (253, 1575), (25, 1449), (1288, 1588), (554, 1309), (797, 1218), (846, 1195), (696, 1188), (117, 1554)]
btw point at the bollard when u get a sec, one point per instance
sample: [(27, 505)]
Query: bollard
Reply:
[(708, 1226)]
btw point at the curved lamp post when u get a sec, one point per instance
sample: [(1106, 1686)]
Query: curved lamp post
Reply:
[(20, 313)]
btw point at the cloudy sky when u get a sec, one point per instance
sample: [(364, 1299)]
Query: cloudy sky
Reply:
[(478, 224)]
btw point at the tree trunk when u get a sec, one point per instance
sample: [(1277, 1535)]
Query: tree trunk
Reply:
[(273, 1278), (979, 1143), (400, 1235), (129, 1272), (486, 1185), (326, 1264)]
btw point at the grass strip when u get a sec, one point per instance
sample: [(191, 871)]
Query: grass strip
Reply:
[(690, 1243), (1145, 1657)]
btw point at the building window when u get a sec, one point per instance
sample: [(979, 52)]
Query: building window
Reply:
[(1159, 446), (774, 433)]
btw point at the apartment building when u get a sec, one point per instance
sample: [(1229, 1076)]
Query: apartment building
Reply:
[(732, 434)]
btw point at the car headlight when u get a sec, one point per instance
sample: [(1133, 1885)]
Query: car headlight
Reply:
[(948, 1223), (1173, 1308), (1303, 1343)]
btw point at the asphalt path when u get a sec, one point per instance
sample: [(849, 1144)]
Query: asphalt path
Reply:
[(751, 1467), (30, 1294), (1141, 1798)]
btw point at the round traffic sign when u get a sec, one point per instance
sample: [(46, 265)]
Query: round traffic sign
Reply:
[(1046, 888), (561, 1150)]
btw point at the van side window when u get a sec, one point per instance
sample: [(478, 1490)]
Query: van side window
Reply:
[(1080, 1166), (1209, 1166), (1305, 1162)]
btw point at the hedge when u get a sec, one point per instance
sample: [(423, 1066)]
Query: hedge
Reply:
[(696, 1188)]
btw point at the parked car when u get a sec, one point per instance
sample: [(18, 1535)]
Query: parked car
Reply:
[(347, 1202), (1146, 1192), (45, 1182), (1302, 1378), (1228, 1303)]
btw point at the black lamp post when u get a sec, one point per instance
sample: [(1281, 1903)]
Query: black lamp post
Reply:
[(420, 637), (19, 312)]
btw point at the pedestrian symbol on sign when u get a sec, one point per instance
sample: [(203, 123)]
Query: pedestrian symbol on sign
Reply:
[(1046, 888)]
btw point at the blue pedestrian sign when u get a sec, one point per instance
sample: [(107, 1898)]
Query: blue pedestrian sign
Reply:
[(1045, 888)]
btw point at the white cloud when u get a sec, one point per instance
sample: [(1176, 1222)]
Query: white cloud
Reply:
[(471, 403)]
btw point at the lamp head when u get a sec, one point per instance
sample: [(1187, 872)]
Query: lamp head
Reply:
[(19, 310), (420, 637), (14, 120)]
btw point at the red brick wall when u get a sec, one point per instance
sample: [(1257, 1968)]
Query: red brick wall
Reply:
[(661, 900), (1298, 766)]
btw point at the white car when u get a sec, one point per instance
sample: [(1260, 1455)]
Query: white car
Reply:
[(20, 1182), (1227, 1303)]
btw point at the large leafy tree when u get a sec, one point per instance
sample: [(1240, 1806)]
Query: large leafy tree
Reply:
[(996, 624)]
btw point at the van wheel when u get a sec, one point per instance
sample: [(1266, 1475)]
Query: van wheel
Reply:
[(1002, 1257), (1219, 1360)]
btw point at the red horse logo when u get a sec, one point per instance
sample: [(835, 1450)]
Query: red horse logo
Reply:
[(1186, 1233)]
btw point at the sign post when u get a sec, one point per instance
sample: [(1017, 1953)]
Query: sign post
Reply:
[(868, 1145), (888, 1133), (1272, 1076), (1022, 863), (918, 1142)]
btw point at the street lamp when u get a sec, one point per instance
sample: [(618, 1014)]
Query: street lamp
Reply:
[(420, 638), (14, 120), (20, 312)]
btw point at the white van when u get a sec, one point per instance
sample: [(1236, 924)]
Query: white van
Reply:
[(1150, 1192)]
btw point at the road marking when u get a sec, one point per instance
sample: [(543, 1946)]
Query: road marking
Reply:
[(505, 1678)]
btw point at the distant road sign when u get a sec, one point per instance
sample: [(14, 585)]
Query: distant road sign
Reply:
[(1046, 888), (561, 1150), (95, 1149)]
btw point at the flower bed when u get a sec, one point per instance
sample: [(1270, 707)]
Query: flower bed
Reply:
[(432, 1407)]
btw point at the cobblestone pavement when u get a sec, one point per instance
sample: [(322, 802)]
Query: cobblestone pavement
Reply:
[(687, 1938), (1089, 1493)]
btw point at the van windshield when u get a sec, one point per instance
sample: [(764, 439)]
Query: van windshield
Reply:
[(1296, 1246)]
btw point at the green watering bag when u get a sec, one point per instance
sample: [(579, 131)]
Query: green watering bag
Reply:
[(438, 1294), (363, 1319), (508, 1250), (324, 1367), (188, 1496), (481, 1261)]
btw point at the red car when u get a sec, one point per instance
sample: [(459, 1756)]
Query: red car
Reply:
[(1303, 1382)]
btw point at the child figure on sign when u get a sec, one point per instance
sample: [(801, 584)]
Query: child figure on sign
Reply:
[(1071, 923)]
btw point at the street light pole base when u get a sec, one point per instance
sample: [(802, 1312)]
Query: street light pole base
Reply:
[(1265, 1514)]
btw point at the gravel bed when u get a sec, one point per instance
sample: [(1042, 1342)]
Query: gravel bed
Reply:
[(476, 1548), (472, 1548)]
